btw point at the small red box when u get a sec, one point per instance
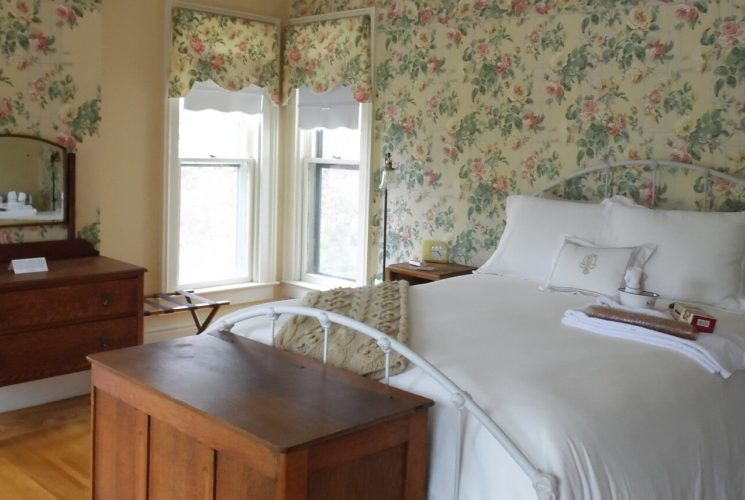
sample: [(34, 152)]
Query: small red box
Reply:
[(694, 316)]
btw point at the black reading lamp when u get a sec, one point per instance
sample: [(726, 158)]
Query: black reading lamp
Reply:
[(386, 179)]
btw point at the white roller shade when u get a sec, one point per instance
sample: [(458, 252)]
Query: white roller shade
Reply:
[(209, 95), (333, 109)]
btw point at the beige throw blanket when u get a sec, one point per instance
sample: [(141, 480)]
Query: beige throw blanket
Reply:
[(384, 306)]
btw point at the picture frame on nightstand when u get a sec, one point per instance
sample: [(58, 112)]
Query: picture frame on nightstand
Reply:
[(436, 251)]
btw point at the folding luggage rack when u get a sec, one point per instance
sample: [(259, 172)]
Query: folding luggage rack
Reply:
[(183, 300)]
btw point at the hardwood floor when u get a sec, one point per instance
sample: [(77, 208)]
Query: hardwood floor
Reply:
[(45, 452)]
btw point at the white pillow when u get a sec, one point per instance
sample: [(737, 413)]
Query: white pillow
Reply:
[(582, 266), (535, 228), (699, 255)]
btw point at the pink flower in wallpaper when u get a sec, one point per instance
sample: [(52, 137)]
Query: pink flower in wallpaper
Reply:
[(617, 124), (687, 12), (732, 33), (455, 35), (40, 81), (555, 88), (509, 96), (450, 150), (323, 55), (6, 108), (197, 45), (426, 16), (66, 13), (590, 109)]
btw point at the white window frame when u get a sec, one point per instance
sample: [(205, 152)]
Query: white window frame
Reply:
[(245, 221), (293, 262), (299, 225), (309, 243), (251, 200), (263, 254)]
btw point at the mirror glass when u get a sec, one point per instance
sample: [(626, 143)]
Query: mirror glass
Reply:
[(32, 181)]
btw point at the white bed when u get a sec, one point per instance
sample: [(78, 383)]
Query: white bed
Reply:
[(609, 418), (612, 419)]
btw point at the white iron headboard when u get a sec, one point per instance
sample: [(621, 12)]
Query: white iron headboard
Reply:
[(694, 187)]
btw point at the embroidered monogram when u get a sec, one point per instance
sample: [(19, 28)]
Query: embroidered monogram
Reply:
[(589, 263)]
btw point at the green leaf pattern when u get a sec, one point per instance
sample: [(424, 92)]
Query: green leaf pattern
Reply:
[(231, 51), (40, 91), (525, 92), (323, 55)]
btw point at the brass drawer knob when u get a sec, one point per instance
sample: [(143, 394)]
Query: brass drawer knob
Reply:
[(106, 299)]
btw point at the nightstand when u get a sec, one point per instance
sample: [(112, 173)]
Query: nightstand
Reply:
[(429, 272)]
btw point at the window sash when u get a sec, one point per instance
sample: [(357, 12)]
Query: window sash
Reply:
[(316, 167), (299, 218), (245, 218)]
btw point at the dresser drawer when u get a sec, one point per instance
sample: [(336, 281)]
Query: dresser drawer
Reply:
[(66, 304), (54, 351)]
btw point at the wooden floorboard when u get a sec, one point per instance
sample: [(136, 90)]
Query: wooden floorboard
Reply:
[(45, 452)]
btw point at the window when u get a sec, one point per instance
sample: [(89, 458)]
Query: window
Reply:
[(334, 205), (215, 223), (333, 172), (213, 220)]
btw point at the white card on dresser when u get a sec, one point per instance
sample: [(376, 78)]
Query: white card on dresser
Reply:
[(23, 266)]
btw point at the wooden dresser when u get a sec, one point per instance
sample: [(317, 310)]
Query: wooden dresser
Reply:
[(50, 321), (228, 418)]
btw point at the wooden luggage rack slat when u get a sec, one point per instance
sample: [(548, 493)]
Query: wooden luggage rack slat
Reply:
[(184, 300)]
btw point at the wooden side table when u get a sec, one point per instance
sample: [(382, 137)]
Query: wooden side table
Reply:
[(431, 271), (229, 418)]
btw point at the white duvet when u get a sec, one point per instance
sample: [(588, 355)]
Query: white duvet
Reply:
[(611, 418)]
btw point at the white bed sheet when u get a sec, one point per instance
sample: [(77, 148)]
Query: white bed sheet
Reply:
[(612, 419)]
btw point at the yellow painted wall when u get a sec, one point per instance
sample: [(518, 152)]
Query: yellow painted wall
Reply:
[(130, 155)]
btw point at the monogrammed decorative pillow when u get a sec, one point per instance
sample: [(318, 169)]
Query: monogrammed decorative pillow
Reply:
[(581, 266)]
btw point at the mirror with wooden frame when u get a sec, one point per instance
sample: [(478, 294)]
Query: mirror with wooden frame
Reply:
[(37, 183)]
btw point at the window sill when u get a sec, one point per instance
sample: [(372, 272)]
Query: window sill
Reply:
[(240, 293), (297, 289)]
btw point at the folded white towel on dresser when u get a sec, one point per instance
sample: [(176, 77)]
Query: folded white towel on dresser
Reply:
[(721, 352)]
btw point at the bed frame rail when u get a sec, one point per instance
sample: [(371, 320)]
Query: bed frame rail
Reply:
[(546, 485), (607, 172)]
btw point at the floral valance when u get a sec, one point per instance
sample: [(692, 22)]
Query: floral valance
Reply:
[(323, 55), (231, 51)]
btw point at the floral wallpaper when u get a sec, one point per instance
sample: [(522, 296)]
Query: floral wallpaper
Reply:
[(323, 55), (40, 92), (478, 99), (233, 52)]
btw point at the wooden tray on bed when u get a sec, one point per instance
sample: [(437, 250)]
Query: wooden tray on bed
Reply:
[(663, 325)]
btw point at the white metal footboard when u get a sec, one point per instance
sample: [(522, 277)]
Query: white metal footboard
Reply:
[(546, 485)]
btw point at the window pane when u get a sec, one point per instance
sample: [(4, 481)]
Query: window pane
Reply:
[(212, 228), (339, 144), (336, 228)]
